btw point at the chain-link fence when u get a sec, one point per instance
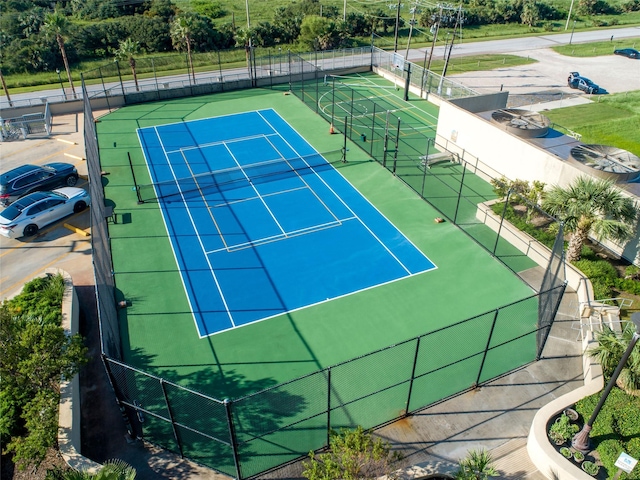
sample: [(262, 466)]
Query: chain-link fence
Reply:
[(244, 437), (247, 436), (102, 264)]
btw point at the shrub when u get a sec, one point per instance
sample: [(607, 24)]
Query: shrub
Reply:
[(565, 452), (562, 429), (35, 355), (606, 433), (590, 467)]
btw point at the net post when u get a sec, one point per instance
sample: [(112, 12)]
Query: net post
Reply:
[(135, 183), (344, 141)]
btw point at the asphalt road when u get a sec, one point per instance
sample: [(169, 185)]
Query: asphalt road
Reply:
[(517, 46)]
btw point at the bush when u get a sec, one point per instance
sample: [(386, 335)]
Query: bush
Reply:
[(620, 413), (35, 355)]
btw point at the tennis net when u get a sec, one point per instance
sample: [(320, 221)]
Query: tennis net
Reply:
[(238, 177)]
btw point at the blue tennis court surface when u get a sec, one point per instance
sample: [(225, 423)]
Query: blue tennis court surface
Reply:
[(261, 224)]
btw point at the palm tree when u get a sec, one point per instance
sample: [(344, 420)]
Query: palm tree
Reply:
[(111, 470), (477, 465), (244, 37), (126, 50), (56, 25), (611, 346), (181, 31), (591, 206)]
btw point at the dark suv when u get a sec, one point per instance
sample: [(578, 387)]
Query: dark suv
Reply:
[(582, 83), (30, 178)]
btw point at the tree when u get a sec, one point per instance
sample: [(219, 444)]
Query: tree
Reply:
[(127, 50), (244, 38), (530, 13), (477, 465), (319, 33), (181, 30), (352, 454), (35, 355), (591, 206), (611, 346), (56, 25)]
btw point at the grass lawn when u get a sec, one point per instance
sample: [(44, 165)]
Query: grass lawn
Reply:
[(612, 120), (596, 49)]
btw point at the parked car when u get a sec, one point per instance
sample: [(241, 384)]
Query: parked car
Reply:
[(28, 214), (628, 52), (30, 178), (575, 80)]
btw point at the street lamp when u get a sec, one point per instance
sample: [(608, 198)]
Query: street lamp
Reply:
[(581, 439), (61, 86)]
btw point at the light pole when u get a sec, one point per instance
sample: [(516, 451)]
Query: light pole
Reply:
[(572, 29), (61, 85), (581, 439)]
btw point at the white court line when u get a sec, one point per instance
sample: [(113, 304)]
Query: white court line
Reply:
[(349, 208), (277, 238), (257, 193), (222, 142), (304, 181), (215, 278)]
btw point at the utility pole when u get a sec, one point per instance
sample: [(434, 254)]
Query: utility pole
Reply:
[(395, 47), (344, 12), (569, 16), (4, 87), (411, 23)]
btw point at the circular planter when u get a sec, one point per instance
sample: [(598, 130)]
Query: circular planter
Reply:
[(572, 414)]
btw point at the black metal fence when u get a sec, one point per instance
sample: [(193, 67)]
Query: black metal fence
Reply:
[(244, 437), (102, 264), (247, 436)]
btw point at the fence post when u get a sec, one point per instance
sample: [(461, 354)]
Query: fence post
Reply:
[(413, 376), (504, 212), (104, 89), (455, 214), (232, 437), (120, 78), (155, 77), (328, 406), (395, 151), (289, 53), (373, 131), (173, 425), (484, 357), (424, 170)]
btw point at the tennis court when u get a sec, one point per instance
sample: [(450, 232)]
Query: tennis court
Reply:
[(158, 329), (257, 217), (328, 267)]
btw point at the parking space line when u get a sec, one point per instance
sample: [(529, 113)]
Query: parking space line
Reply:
[(24, 149)]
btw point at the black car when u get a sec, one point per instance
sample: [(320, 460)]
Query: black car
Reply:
[(30, 178), (582, 83), (628, 52)]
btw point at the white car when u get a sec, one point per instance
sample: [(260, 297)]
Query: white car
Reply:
[(28, 214)]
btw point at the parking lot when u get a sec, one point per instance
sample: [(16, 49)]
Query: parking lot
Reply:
[(56, 245), (613, 73)]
